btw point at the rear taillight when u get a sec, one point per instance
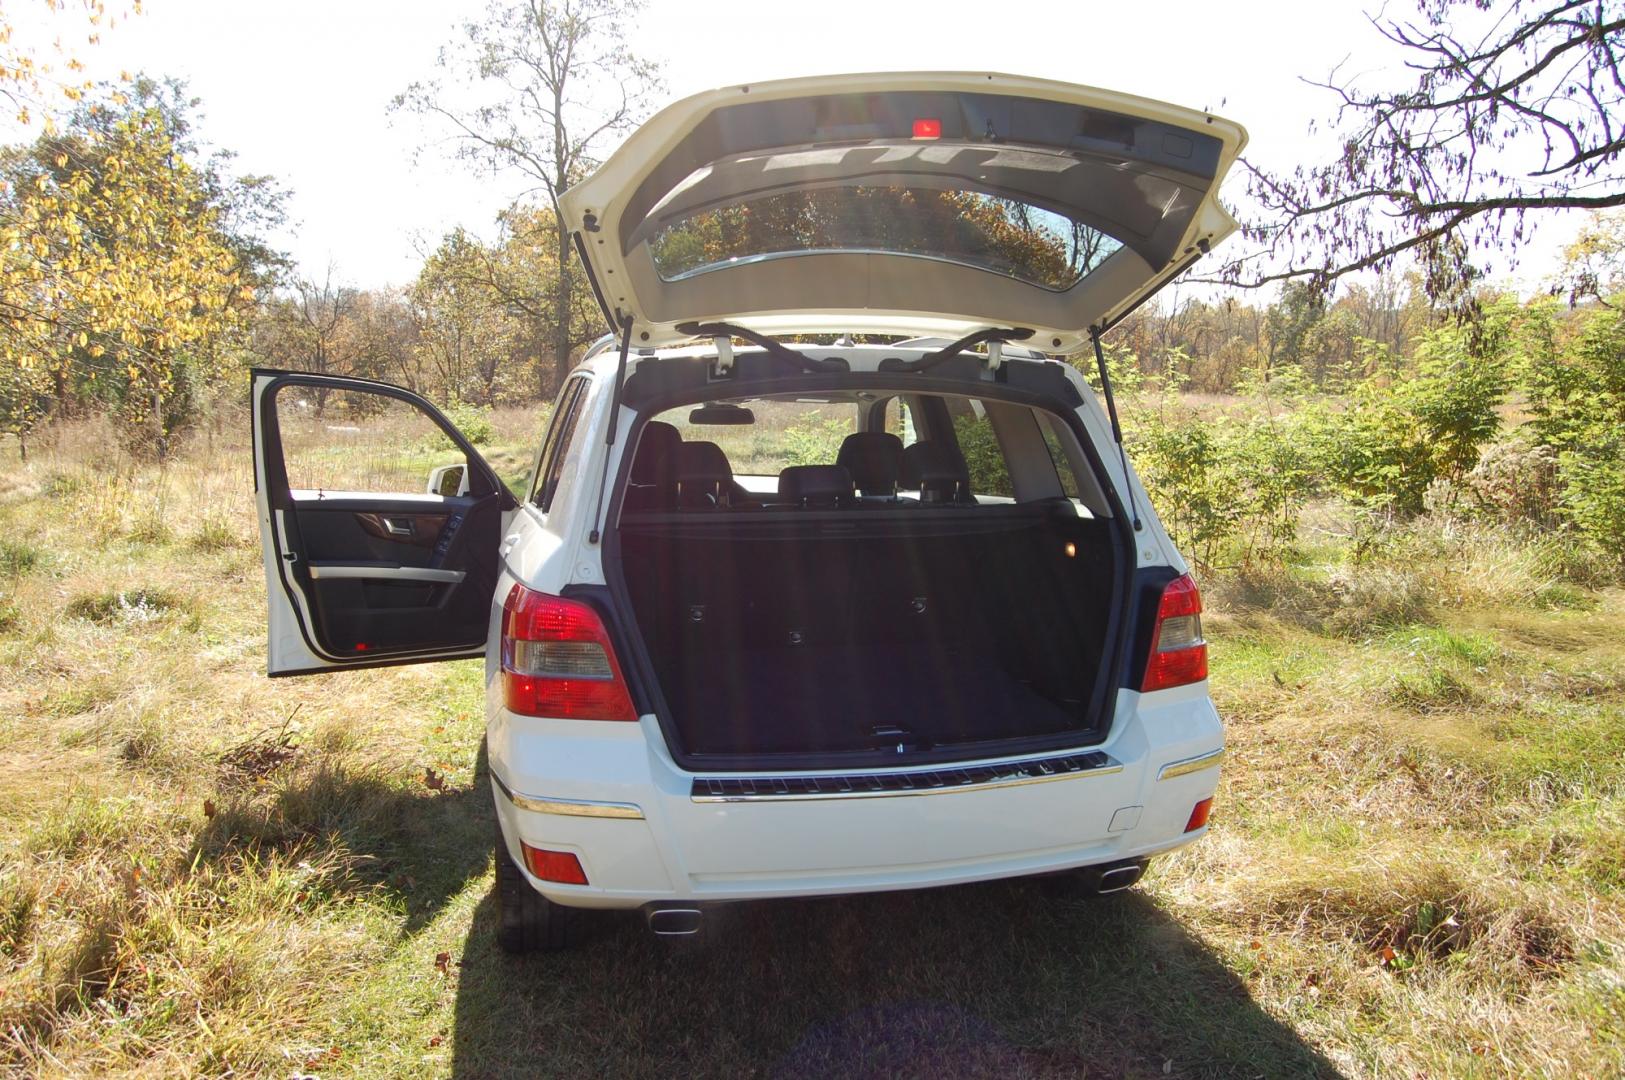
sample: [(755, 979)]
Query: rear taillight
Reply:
[(557, 660), (1178, 653)]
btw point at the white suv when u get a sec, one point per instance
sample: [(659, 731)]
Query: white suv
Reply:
[(784, 619)]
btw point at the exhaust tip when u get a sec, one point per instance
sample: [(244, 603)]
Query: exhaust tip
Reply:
[(1117, 878), (674, 921)]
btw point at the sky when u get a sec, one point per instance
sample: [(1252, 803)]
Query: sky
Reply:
[(301, 89)]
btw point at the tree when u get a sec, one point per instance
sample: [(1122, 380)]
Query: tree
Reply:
[(1594, 264), (560, 81), (1525, 116), (122, 264), (462, 328)]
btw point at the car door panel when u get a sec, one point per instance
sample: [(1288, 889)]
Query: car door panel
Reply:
[(361, 579)]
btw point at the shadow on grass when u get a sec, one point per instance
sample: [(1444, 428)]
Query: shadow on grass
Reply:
[(418, 846), (989, 980)]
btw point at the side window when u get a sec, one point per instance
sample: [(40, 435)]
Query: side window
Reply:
[(979, 445), (557, 445), (1058, 458), (900, 421), (348, 440)]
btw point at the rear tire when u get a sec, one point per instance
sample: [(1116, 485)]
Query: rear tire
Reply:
[(527, 921)]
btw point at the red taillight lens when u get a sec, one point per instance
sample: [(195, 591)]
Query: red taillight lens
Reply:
[(1178, 652), (1199, 814), (557, 660), (559, 866), (927, 128)]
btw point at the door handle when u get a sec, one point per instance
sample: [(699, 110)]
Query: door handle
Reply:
[(509, 541), (399, 526)]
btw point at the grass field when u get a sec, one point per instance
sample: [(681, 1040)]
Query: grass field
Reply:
[(1416, 868)]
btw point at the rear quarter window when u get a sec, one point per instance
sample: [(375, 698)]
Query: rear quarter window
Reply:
[(979, 445), (557, 447)]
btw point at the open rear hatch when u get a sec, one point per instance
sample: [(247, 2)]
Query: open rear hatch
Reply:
[(930, 203)]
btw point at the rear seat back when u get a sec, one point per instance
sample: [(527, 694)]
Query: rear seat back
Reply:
[(875, 460)]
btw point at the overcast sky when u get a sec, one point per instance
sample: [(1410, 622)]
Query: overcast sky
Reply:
[(300, 89)]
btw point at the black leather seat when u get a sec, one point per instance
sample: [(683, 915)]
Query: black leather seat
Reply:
[(816, 486), (875, 460), (705, 478), (652, 484), (938, 472)]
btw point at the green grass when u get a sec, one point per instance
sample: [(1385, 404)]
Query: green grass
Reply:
[(1414, 867)]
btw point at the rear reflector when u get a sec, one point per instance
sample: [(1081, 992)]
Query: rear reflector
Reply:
[(1199, 814), (559, 866), (1178, 650), (927, 128), (557, 660)]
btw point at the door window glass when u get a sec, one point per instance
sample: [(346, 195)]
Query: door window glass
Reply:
[(356, 441)]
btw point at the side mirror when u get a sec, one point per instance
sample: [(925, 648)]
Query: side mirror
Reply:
[(449, 480)]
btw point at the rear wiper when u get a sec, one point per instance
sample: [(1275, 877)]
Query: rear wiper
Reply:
[(954, 348), (769, 345)]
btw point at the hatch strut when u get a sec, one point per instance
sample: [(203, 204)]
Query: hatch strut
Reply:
[(614, 422), (1117, 429)]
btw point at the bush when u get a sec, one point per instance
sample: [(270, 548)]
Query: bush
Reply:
[(1577, 398), (17, 558), (1515, 480), (814, 440), (472, 420)]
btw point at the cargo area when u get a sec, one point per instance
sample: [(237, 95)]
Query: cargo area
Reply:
[(902, 629)]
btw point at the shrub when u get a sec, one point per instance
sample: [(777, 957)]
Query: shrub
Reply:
[(814, 440), (472, 420), (1577, 398), (1515, 480), (17, 558)]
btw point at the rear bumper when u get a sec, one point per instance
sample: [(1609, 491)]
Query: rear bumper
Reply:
[(645, 833)]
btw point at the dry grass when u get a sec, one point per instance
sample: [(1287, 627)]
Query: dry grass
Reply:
[(1416, 868)]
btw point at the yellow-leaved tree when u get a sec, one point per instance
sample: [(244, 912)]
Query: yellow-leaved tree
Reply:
[(128, 266)]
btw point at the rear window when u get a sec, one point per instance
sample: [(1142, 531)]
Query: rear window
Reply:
[(1005, 236), (753, 453)]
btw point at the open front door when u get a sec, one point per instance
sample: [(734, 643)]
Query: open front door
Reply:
[(379, 525)]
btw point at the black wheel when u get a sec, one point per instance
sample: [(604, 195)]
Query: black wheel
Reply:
[(527, 921)]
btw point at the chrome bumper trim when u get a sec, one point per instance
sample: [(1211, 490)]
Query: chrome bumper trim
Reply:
[(569, 807), (1191, 764), (940, 781)]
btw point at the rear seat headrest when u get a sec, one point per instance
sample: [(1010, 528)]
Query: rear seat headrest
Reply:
[(704, 477), (816, 485), (937, 471), (656, 460), (703, 459), (875, 460)]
